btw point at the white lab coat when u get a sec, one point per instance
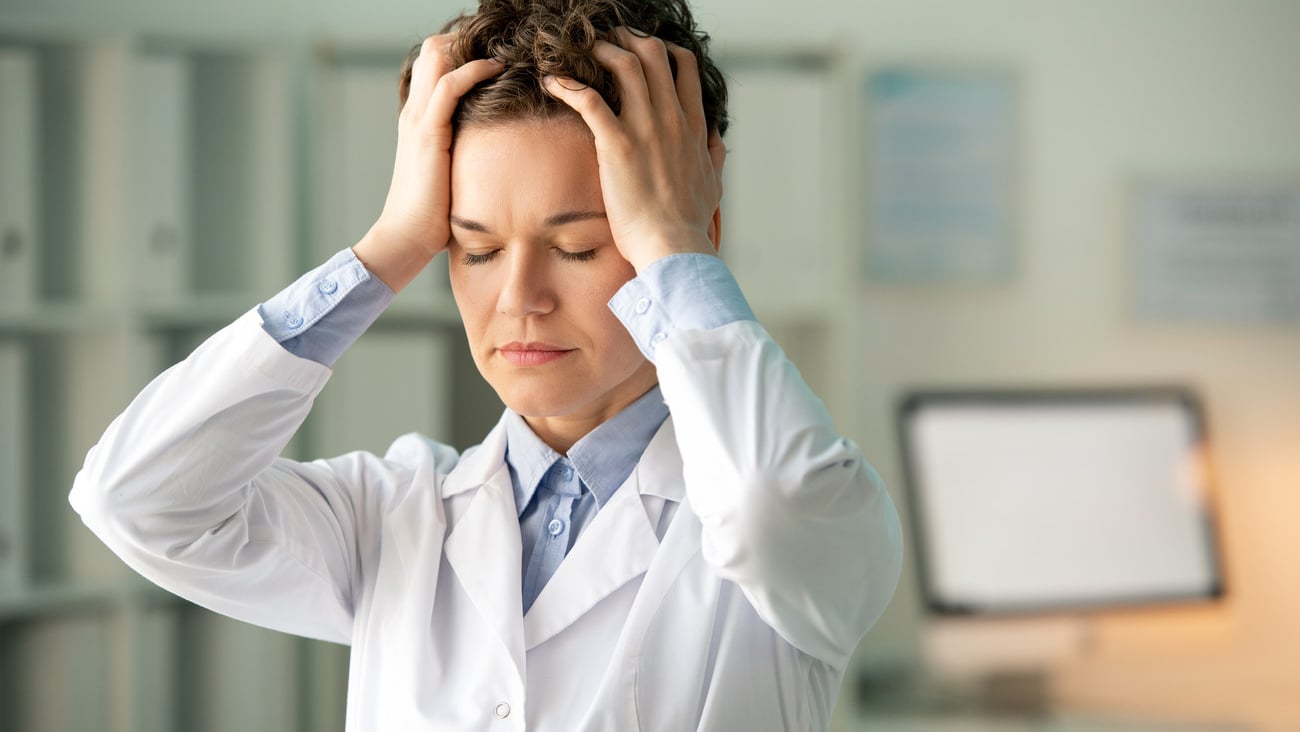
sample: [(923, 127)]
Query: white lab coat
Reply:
[(722, 588)]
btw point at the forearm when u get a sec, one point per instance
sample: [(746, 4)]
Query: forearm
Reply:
[(396, 262), (180, 455), (791, 511), (186, 487)]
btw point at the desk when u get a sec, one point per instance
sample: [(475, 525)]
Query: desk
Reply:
[(952, 723)]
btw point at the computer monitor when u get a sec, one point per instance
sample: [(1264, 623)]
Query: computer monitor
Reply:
[(1032, 502)]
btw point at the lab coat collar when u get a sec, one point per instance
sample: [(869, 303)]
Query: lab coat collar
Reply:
[(484, 547), (480, 464), (659, 471), (616, 548)]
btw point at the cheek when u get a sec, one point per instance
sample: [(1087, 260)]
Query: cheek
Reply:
[(602, 283), (475, 298)]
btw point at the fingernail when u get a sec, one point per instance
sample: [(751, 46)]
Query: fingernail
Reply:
[(548, 80)]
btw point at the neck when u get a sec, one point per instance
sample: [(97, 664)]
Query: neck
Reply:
[(562, 432)]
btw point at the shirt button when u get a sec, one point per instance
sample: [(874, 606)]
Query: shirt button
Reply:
[(293, 320), (660, 337), (555, 527), (328, 287), (566, 472), (642, 305), (502, 711)]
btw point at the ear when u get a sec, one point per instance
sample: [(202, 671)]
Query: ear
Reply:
[(715, 229), (718, 154)]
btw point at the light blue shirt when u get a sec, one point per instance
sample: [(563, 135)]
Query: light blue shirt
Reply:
[(556, 495), (325, 310)]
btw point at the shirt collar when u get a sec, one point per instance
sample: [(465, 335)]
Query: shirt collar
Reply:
[(604, 457), (527, 457)]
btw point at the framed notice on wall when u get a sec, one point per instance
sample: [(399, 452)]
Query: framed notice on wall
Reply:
[(1226, 252), (941, 176)]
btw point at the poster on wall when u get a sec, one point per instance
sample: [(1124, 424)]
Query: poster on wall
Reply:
[(1217, 252), (941, 182)]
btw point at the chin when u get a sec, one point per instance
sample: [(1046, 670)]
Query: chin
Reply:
[(556, 401)]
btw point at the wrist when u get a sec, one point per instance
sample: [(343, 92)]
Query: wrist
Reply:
[(394, 259), (643, 255)]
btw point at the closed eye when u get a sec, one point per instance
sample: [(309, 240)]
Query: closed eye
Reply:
[(469, 259), (568, 256)]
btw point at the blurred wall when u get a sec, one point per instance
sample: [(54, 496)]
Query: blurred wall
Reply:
[(1112, 90)]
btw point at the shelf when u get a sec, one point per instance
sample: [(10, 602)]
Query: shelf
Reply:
[(51, 599), (196, 311), (56, 319), (432, 311), (168, 186), (201, 312)]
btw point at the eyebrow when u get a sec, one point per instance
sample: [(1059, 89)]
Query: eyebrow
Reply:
[(559, 219)]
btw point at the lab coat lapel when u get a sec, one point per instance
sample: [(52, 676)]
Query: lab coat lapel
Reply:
[(617, 547), (484, 547)]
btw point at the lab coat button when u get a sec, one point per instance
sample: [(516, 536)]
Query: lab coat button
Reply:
[(555, 527), (660, 337), (502, 711), (642, 305), (328, 287)]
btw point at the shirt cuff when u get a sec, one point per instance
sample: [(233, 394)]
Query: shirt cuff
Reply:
[(679, 292), (327, 309)]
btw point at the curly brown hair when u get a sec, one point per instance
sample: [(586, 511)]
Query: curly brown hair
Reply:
[(536, 38)]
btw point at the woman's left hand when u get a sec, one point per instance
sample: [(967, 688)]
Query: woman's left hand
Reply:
[(660, 165)]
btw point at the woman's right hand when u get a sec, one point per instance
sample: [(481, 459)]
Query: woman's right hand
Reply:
[(413, 227)]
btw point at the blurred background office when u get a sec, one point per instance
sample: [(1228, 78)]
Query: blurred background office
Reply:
[(1041, 260)]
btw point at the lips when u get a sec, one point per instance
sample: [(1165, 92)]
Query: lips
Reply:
[(533, 353)]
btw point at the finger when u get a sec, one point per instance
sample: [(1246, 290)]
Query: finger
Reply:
[(455, 84), (688, 90), (717, 153), (657, 74), (628, 77), (425, 71), (589, 105), (406, 77)]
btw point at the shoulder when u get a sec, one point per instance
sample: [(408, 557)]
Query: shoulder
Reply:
[(421, 453)]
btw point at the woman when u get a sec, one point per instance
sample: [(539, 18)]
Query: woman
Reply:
[(664, 532)]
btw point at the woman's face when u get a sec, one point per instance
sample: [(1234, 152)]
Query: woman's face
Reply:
[(533, 266)]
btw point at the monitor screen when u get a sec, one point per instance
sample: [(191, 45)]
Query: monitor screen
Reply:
[(1028, 501)]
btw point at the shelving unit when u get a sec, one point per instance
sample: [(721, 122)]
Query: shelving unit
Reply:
[(116, 228), (154, 189), (161, 187)]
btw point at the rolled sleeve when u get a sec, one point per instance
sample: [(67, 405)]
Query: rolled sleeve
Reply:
[(676, 293), (327, 309)]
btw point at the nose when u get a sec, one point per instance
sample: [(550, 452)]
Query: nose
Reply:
[(526, 289)]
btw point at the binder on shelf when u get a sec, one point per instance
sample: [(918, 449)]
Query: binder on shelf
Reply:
[(162, 125), (14, 486), (249, 675), (387, 384), (18, 180), (273, 264), (66, 664), (775, 205), (243, 193), (357, 147)]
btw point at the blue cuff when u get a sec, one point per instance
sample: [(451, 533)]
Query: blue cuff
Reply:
[(679, 292), (327, 309)]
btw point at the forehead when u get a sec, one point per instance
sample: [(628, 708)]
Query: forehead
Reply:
[(533, 163)]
